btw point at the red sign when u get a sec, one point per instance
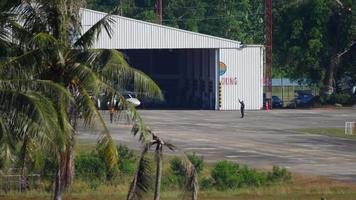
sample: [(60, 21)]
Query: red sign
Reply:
[(229, 81)]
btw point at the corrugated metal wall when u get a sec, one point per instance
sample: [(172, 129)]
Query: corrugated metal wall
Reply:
[(135, 34), (242, 79)]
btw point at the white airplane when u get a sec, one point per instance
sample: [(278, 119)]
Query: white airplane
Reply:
[(134, 101)]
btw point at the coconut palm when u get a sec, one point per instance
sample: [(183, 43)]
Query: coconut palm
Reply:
[(54, 50), (142, 181)]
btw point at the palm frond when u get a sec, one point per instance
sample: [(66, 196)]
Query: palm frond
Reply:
[(33, 16), (88, 38), (107, 149), (20, 36), (86, 106), (35, 108), (46, 87), (7, 145), (8, 5), (5, 22), (60, 97), (84, 77), (106, 146), (26, 65), (44, 41), (170, 146), (139, 126), (142, 181)]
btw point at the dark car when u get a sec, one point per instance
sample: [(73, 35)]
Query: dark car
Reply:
[(304, 99), (277, 102)]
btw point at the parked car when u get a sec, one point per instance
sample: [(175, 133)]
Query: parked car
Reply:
[(304, 99), (277, 102)]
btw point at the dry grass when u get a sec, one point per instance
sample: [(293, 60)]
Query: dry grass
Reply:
[(301, 187)]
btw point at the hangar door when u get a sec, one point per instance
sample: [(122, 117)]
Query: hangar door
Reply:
[(187, 77), (241, 77)]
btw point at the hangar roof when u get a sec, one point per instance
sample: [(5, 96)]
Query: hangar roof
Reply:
[(135, 34)]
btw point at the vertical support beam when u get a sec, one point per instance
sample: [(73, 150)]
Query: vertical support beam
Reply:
[(217, 78), (268, 45)]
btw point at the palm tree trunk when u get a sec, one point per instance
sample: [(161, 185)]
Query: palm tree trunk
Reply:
[(67, 163), (57, 187), (67, 166), (159, 157)]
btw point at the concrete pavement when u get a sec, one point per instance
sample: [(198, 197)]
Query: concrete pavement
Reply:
[(261, 139)]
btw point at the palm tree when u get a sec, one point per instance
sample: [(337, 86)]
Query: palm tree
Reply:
[(53, 50), (141, 182)]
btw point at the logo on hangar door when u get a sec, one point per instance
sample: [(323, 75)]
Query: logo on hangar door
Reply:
[(222, 68)]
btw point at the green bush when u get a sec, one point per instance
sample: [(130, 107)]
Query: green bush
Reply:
[(206, 183), (89, 166), (279, 174), (228, 175), (342, 98), (251, 177), (127, 160), (171, 181), (178, 168), (197, 161)]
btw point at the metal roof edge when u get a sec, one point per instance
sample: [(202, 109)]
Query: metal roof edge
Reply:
[(166, 27), (253, 45)]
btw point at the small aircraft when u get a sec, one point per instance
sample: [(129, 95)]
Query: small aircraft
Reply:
[(131, 99)]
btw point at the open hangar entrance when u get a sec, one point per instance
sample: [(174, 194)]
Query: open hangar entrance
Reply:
[(187, 77)]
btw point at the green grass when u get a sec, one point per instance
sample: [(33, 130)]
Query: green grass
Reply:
[(333, 132)]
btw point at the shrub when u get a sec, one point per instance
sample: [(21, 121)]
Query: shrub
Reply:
[(178, 168), (171, 181), (127, 160), (251, 177), (342, 98), (206, 183), (89, 166), (228, 175), (279, 174), (197, 161)]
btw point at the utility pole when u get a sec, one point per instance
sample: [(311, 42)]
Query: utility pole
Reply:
[(268, 46), (158, 10)]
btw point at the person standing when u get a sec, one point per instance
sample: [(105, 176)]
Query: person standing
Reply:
[(242, 108), (112, 111)]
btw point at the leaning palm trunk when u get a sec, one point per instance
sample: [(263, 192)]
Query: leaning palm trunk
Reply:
[(159, 157)]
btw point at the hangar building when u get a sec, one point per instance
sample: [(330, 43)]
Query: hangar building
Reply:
[(194, 71)]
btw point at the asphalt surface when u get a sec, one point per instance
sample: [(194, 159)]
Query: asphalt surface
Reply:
[(261, 139)]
